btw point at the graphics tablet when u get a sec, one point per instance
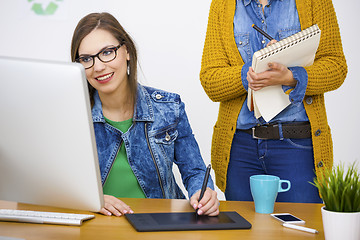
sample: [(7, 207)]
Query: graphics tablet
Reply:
[(181, 221)]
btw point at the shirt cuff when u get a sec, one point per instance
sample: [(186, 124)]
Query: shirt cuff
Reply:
[(244, 70), (297, 95)]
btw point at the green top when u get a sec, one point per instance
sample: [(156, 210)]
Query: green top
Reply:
[(121, 181)]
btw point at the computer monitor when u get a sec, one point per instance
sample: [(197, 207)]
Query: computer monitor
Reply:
[(48, 152)]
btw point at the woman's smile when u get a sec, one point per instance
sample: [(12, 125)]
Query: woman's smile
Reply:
[(105, 77)]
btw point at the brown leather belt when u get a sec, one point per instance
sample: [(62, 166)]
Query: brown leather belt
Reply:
[(289, 130)]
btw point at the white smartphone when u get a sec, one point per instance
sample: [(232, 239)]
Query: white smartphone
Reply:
[(287, 218)]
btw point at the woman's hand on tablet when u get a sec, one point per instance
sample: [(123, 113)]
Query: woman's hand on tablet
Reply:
[(114, 206), (208, 205)]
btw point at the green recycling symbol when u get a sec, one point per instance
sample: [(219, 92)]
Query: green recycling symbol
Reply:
[(50, 9)]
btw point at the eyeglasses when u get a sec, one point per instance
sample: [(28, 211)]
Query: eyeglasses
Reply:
[(105, 55)]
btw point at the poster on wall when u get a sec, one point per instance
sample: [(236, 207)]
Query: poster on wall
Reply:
[(43, 9)]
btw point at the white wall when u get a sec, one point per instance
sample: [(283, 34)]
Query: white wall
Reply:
[(343, 104), (170, 36)]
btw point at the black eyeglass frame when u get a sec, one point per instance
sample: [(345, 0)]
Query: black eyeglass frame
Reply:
[(97, 55)]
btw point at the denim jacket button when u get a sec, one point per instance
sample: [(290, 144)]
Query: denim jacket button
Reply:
[(167, 137), (158, 96)]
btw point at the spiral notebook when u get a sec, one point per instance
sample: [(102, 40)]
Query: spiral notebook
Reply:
[(296, 50)]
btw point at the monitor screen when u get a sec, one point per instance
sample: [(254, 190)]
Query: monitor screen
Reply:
[(48, 152)]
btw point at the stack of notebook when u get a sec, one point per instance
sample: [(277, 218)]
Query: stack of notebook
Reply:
[(296, 50)]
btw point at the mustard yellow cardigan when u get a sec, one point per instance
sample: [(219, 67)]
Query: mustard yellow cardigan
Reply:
[(220, 77)]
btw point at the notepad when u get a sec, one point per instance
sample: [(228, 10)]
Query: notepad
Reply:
[(296, 50)]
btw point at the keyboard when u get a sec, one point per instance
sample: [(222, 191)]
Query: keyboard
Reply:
[(43, 217)]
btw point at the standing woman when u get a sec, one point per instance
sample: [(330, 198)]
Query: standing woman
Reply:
[(296, 144), (140, 131)]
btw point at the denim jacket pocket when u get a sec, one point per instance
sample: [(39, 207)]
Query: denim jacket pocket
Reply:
[(243, 45), (166, 137)]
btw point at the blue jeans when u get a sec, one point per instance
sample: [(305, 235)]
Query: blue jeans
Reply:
[(289, 159)]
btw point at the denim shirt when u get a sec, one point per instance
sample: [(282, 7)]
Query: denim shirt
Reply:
[(159, 136), (280, 19)]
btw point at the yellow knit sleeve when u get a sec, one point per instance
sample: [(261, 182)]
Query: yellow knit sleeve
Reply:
[(329, 69), (221, 63)]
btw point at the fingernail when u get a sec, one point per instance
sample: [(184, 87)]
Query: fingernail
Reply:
[(200, 212), (109, 214), (194, 206), (125, 212), (131, 211), (199, 206)]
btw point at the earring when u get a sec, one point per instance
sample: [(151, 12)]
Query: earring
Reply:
[(128, 69)]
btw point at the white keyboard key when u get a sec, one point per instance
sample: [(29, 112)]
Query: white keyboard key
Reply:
[(43, 217)]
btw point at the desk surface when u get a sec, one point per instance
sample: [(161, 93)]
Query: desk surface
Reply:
[(103, 227)]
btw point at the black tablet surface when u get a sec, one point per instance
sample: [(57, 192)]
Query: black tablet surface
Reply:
[(181, 221)]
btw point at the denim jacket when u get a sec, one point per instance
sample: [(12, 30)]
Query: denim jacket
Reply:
[(159, 136)]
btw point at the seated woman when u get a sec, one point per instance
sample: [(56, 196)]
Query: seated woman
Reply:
[(140, 131)]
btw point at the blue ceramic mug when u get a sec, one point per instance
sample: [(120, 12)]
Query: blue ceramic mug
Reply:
[(264, 190)]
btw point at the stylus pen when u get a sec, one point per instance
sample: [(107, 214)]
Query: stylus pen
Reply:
[(204, 185), (262, 32), (301, 228)]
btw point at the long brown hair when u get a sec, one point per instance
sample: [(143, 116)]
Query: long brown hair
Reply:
[(109, 23)]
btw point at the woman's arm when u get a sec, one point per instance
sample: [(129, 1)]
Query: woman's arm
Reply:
[(220, 73), (329, 69), (192, 167)]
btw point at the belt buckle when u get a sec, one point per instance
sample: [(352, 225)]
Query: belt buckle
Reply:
[(253, 134)]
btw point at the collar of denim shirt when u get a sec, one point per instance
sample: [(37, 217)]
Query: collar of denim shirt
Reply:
[(143, 107), (247, 2)]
